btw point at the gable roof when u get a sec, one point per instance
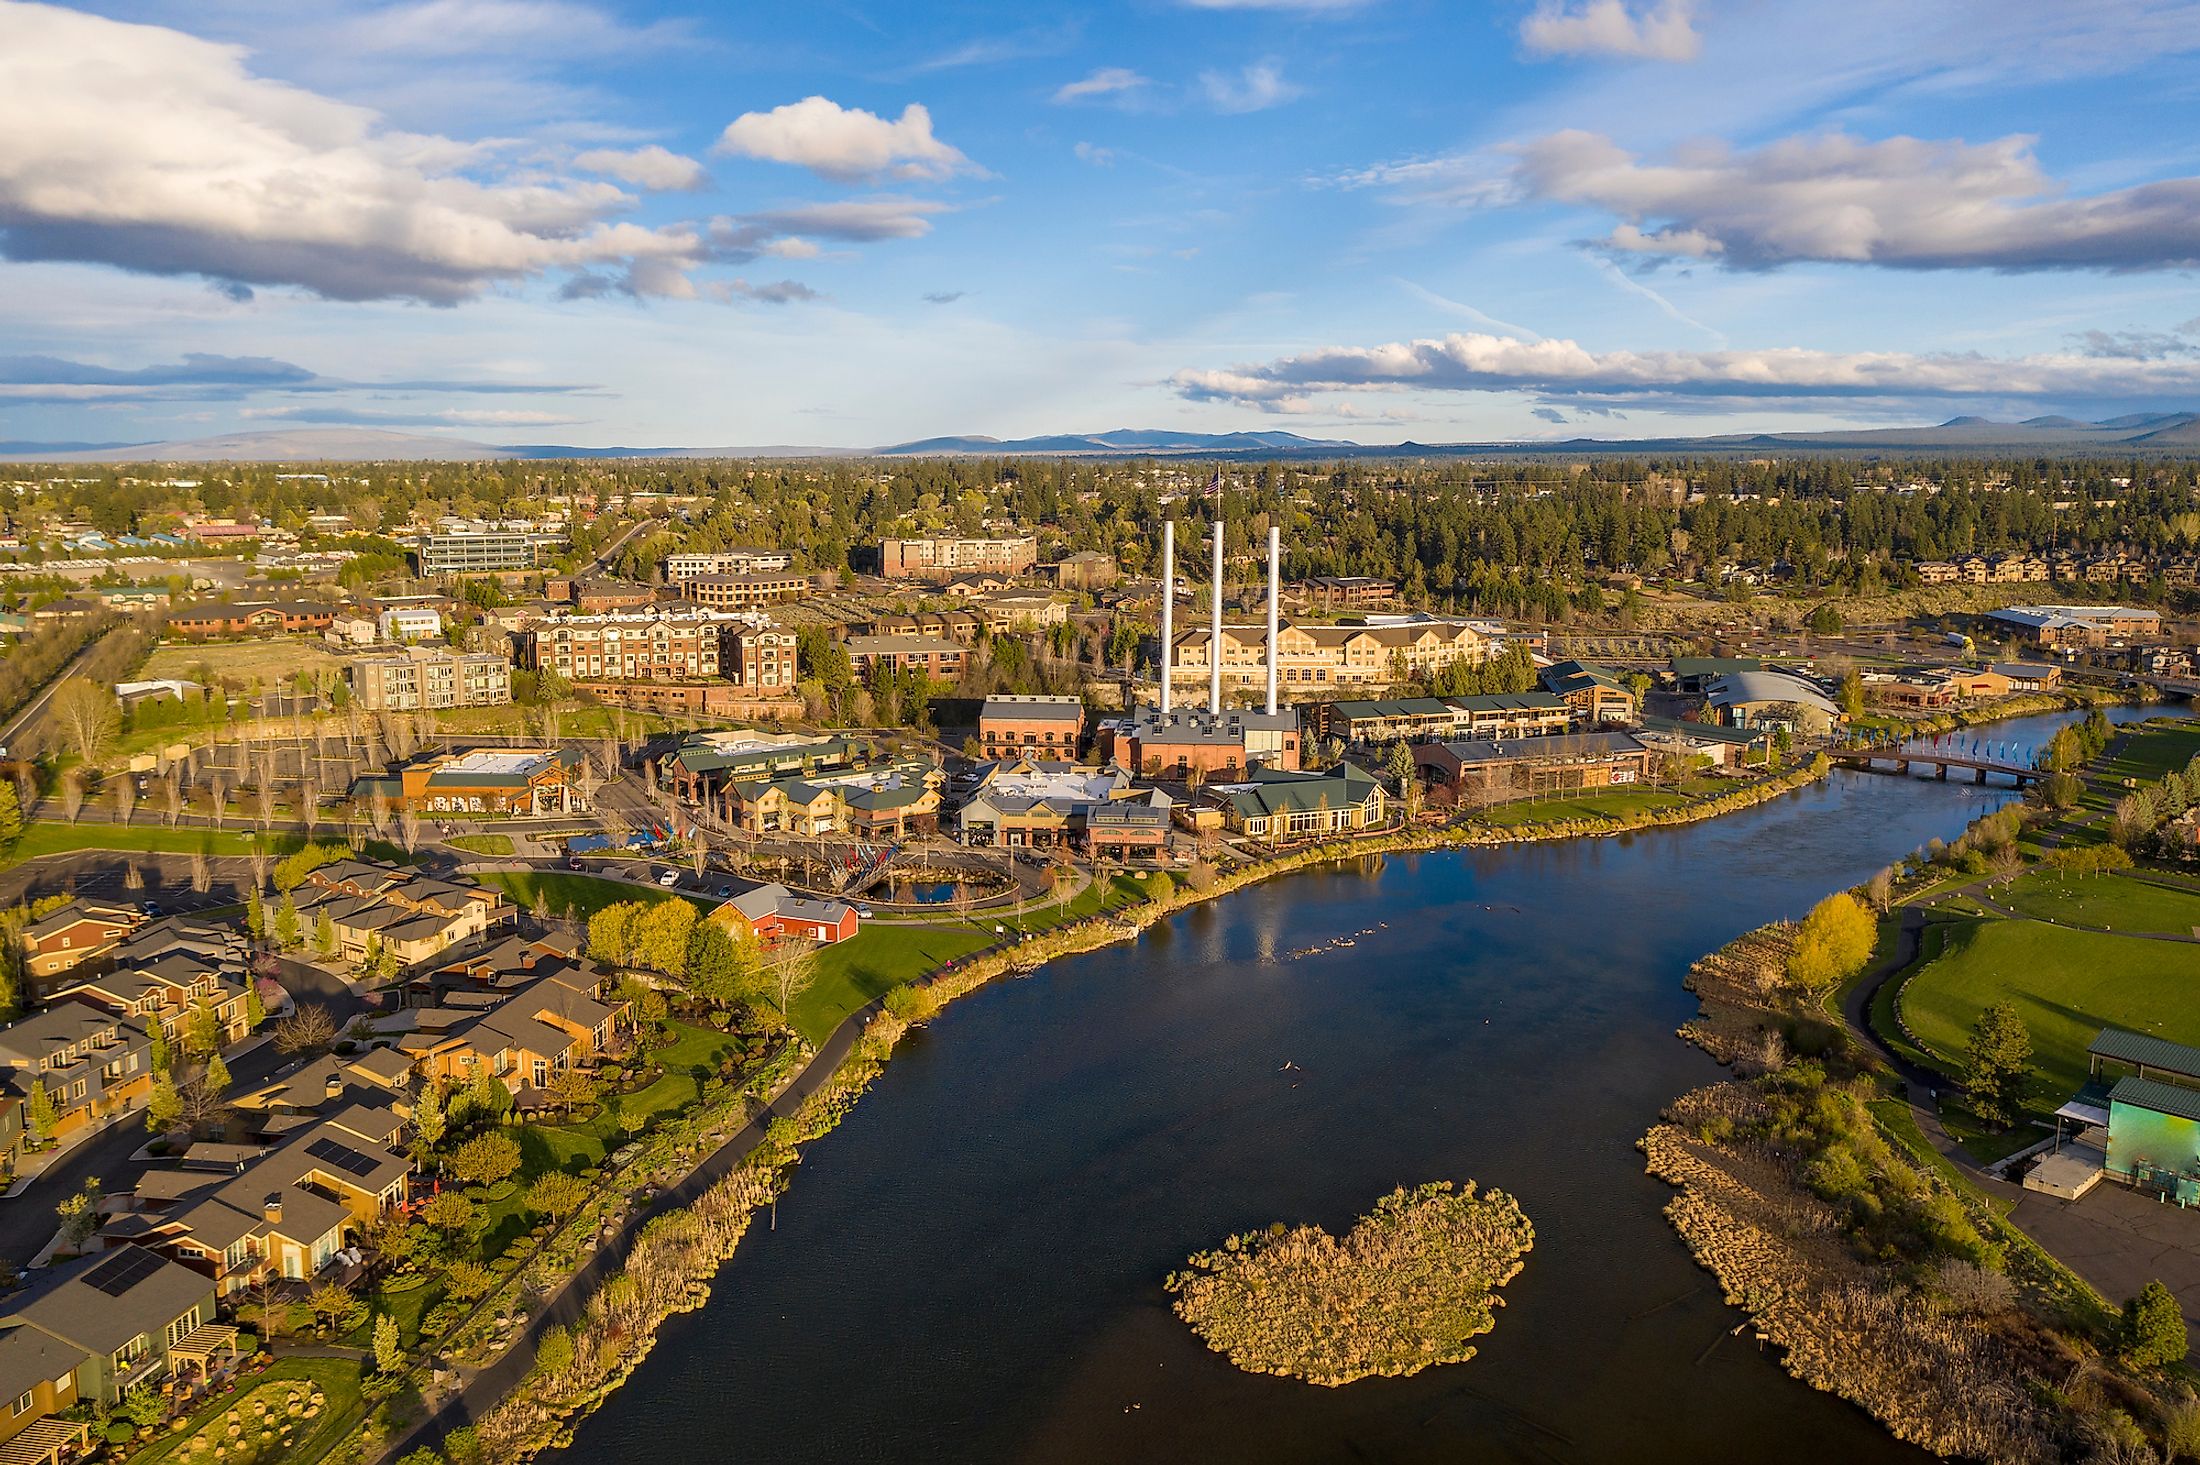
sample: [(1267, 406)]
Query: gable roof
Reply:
[(101, 1302), (2119, 1045)]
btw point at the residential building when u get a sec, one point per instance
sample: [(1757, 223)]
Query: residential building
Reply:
[(883, 801), (931, 655), (524, 1036), (477, 552), (744, 592), (954, 625), (1314, 658), (429, 676), (1493, 770), (413, 917), (665, 643), (249, 618), (944, 557), (93, 1064), (120, 1311), (1511, 714), (83, 932), (352, 628), (1278, 805), (38, 1375), (161, 979), (1021, 612), (594, 596), (1034, 726), (738, 561), (1085, 570), (1347, 592), (1594, 693)]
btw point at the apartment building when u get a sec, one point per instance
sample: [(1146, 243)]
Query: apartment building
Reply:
[(665, 643), (91, 1063), (931, 655), (942, 558), (744, 592), (737, 561), (430, 676), (1315, 658), (1042, 727)]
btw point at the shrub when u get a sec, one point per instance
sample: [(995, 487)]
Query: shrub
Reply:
[(2154, 1328)]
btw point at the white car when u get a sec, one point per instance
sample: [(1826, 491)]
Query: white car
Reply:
[(669, 879)]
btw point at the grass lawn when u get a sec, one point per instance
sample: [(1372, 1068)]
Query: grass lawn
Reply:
[(482, 844), (850, 973), (2118, 902), (2066, 984), (267, 662), (583, 895), (52, 837), (545, 1147), (1609, 804), (338, 1379), (1119, 891)]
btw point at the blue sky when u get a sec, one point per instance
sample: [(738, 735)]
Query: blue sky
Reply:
[(854, 223)]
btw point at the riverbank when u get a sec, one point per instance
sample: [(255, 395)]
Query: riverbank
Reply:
[(1874, 1265)]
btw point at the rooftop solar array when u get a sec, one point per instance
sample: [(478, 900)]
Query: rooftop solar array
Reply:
[(350, 1161), (123, 1271)]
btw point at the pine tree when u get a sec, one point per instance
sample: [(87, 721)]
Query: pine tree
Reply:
[(163, 1108), (2154, 1328), (255, 1007), (217, 1075), (2000, 1063), (157, 1055)]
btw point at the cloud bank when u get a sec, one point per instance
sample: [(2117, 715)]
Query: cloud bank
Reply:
[(1664, 30)]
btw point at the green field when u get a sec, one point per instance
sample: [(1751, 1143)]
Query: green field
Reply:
[(481, 844), (1613, 803), (51, 837), (2117, 902), (850, 973), (2067, 985), (581, 895)]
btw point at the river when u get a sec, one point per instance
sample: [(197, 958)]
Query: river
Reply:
[(970, 1267)]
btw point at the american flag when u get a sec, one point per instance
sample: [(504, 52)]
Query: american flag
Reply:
[(1214, 485)]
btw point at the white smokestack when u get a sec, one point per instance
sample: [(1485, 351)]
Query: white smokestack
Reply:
[(1168, 605), (1275, 588), (1214, 652)]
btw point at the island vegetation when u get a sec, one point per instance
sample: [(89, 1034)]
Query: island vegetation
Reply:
[(1410, 1286)]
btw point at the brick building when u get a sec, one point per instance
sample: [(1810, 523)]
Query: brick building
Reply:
[(928, 654), (944, 558), (1038, 727), (666, 644)]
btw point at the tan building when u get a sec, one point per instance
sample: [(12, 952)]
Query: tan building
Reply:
[(744, 592), (944, 558), (430, 676), (1315, 659), (81, 933), (739, 561), (665, 644), (928, 654)]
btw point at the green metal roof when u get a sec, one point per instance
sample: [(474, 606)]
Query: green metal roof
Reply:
[(2161, 1098), (2120, 1046)]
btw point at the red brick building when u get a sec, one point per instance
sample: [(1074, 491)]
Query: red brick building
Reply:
[(1037, 727)]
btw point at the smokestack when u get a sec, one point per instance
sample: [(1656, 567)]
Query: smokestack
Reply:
[(1168, 605), (1275, 588), (1214, 650)]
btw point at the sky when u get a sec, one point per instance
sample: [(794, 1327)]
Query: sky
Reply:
[(848, 223)]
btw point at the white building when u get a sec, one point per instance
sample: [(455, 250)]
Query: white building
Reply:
[(410, 623)]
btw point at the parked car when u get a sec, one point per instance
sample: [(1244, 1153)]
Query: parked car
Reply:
[(149, 908), (669, 879), (863, 910), (725, 892)]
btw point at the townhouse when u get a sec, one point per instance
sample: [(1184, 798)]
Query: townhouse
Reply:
[(1311, 658), (101, 1325), (91, 1063), (81, 933), (413, 917)]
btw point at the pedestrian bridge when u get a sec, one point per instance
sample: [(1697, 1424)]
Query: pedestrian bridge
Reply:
[(1978, 757)]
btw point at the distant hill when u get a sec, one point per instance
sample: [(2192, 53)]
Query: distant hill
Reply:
[(2143, 432)]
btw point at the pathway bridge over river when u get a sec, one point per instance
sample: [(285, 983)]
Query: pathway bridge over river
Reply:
[(1978, 756)]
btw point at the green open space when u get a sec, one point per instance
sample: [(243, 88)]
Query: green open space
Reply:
[(2066, 985), (481, 844), (2118, 902), (1608, 804), (578, 895), (53, 837), (339, 1382), (878, 957), (569, 1146)]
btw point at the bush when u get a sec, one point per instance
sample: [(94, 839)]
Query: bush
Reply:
[(2154, 1328), (120, 1431)]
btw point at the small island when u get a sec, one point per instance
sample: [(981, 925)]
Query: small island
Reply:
[(1408, 1287)]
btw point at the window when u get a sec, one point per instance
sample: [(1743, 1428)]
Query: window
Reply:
[(182, 1326), (24, 1404)]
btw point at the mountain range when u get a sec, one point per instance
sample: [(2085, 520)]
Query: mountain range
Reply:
[(2157, 432)]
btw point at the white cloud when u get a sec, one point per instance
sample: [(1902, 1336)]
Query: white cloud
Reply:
[(152, 150), (1663, 30), (1255, 89), (655, 168), (1099, 157), (1464, 362), (1107, 81), (845, 143), (1904, 202), (430, 28)]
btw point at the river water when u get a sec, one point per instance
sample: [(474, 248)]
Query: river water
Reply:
[(969, 1268)]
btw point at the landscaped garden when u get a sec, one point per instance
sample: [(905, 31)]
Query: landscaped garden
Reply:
[(295, 1411)]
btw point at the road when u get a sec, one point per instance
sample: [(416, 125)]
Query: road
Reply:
[(11, 737), (27, 1222), (603, 556)]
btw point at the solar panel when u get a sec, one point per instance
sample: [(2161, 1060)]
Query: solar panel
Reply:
[(123, 1271), (350, 1161)]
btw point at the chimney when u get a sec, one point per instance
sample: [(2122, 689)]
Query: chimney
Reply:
[(1168, 606), (272, 1208), (334, 1088), (1275, 587), (1214, 649)]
